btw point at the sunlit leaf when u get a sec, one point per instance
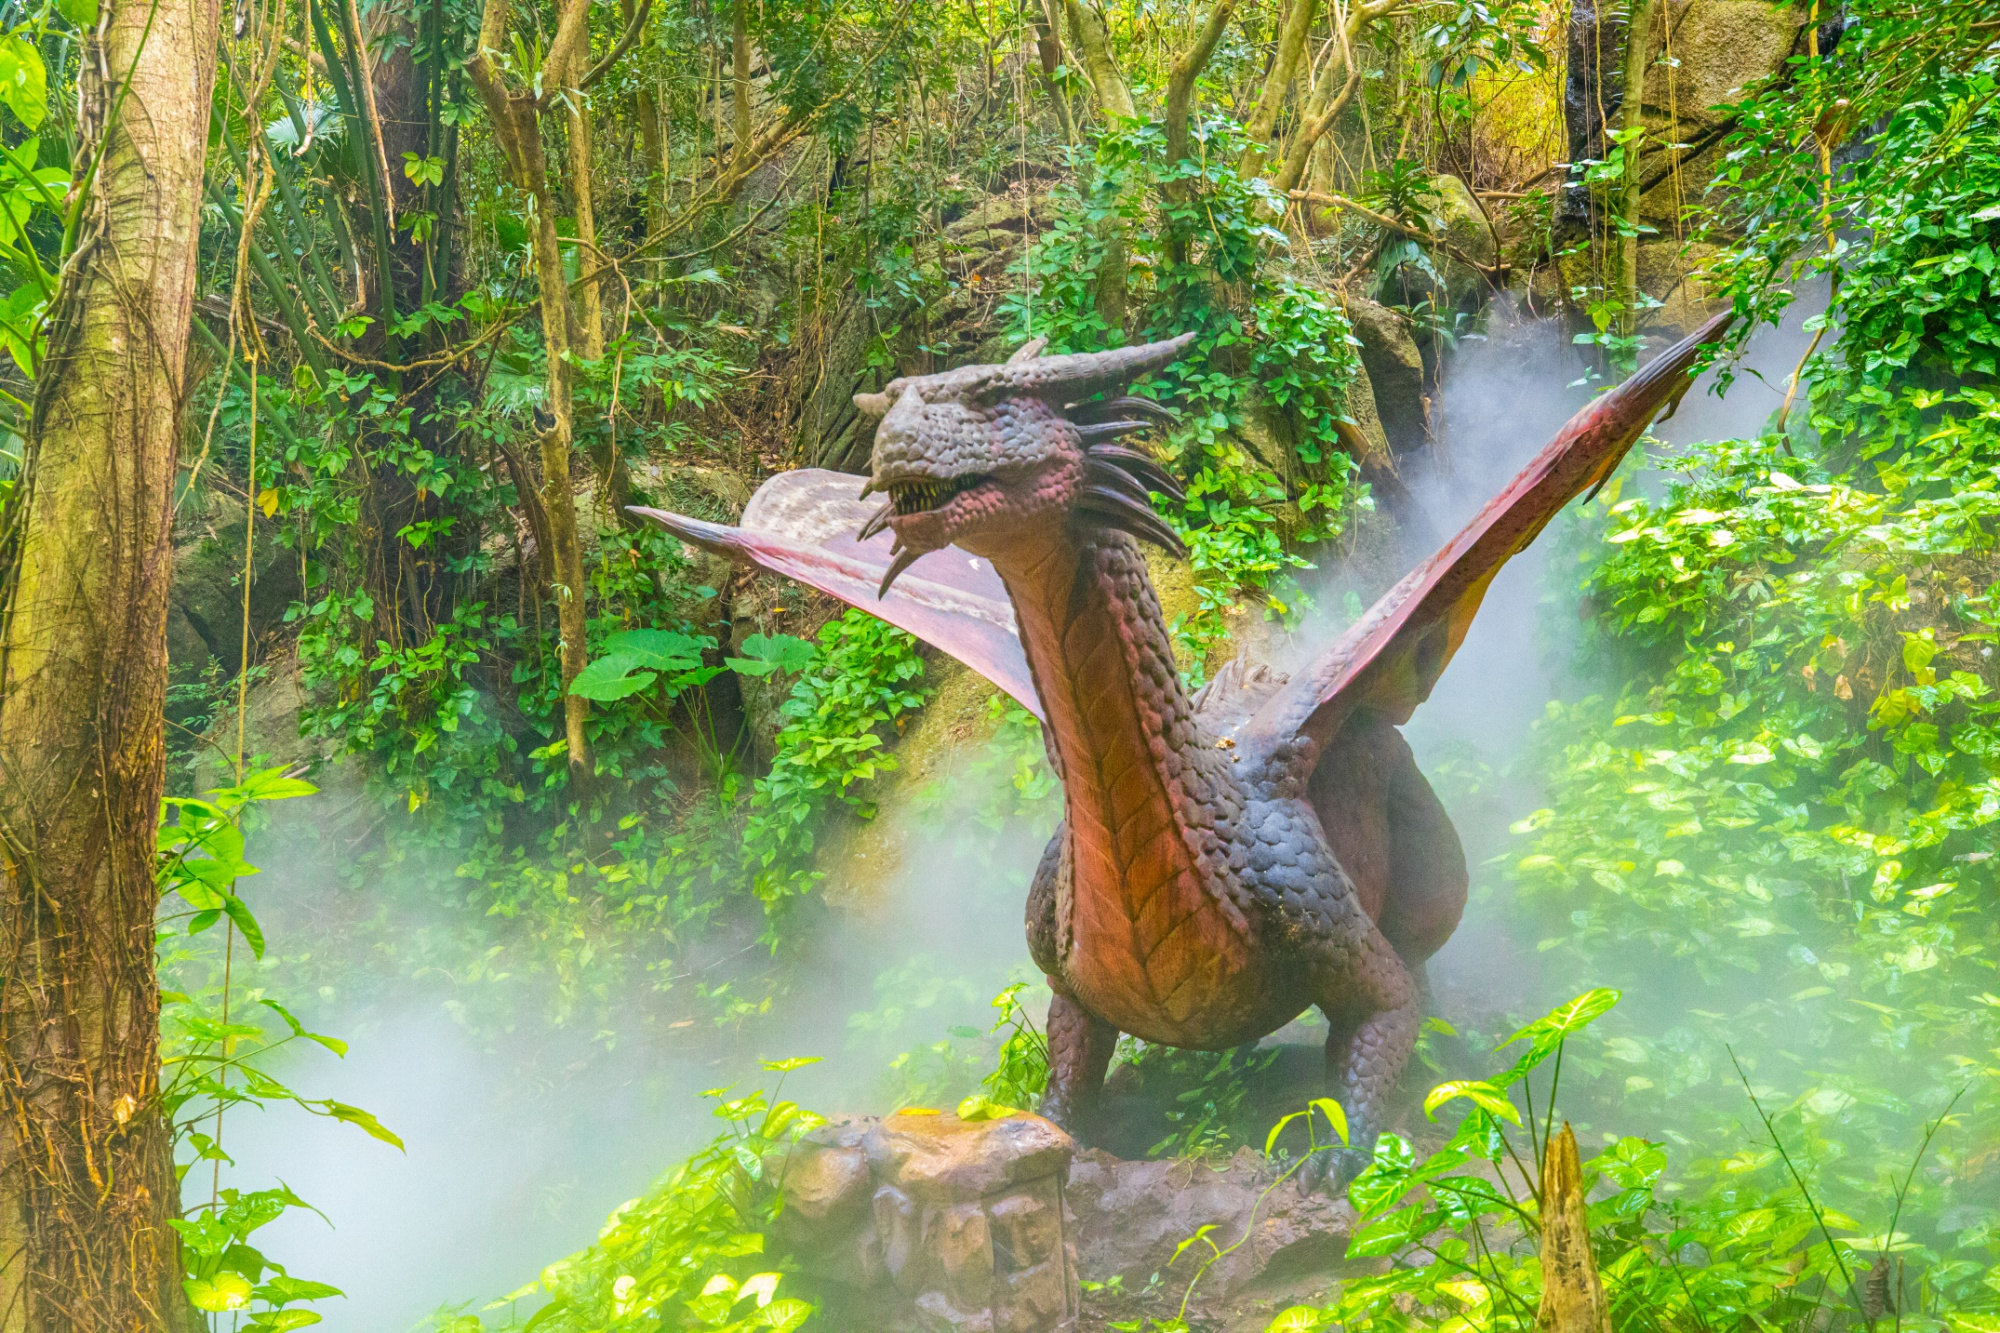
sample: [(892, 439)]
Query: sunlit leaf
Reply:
[(1477, 1091)]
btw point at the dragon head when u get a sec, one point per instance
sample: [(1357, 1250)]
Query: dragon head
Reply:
[(974, 455)]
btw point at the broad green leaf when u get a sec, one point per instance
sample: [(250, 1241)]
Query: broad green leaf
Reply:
[(1335, 1114), (1570, 1016), (24, 82), (1298, 1319), (1477, 1091), (764, 654), (283, 1321), (660, 649), (612, 677), (82, 13), (219, 1294)]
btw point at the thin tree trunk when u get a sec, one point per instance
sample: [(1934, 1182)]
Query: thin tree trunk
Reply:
[(1329, 98), (1048, 48), (517, 125), (87, 1184), (739, 92), (1087, 34), (1638, 40), (583, 173), (1277, 86)]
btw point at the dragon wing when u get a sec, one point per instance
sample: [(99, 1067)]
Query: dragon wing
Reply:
[(1389, 660), (802, 524)]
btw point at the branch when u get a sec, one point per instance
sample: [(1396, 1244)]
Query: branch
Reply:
[(1384, 220), (571, 40), (1086, 27), (632, 30), (1277, 85), (1186, 69)]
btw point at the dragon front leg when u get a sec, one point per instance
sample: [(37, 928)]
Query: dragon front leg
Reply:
[(1080, 1049)]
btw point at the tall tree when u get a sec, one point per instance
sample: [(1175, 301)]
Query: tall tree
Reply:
[(87, 1182), (516, 114)]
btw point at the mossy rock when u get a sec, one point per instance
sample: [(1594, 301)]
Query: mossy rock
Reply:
[(1395, 369), (1720, 49)]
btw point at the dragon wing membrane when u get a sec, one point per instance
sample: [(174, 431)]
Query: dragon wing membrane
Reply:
[(1389, 660), (802, 524)]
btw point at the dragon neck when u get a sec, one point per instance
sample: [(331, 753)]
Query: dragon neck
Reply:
[(1142, 778)]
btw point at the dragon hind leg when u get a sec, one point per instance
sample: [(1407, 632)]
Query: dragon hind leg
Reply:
[(1366, 1053)]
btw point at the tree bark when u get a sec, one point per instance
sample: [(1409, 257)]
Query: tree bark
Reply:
[(87, 1184), (739, 57), (516, 117), (1187, 67), (1048, 48), (1087, 33), (1329, 98), (583, 172), (1638, 41), (1277, 86)]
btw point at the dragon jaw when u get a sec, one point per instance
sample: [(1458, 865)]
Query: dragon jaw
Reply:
[(984, 456)]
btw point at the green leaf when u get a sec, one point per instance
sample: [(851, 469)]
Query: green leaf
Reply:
[(1298, 1319), (219, 1294), (615, 676), (1334, 1113), (660, 649), (1570, 1016), (82, 13), (1477, 1091), (24, 83), (363, 1120), (764, 654), (979, 1107), (239, 912)]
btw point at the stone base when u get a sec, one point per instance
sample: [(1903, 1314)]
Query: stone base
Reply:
[(1130, 1217), (935, 1223)]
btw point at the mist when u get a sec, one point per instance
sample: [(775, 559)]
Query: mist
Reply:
[(519, 1144)]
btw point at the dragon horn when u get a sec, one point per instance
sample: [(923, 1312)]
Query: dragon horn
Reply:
[(1080, 374), (1027, 351)]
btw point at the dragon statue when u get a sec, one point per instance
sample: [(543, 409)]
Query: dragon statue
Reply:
[(1229, 857)]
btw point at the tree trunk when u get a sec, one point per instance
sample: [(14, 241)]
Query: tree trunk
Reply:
[(1277, 86), (1638, 43), (516, 119), (739, 91), (87, 1182), (1087, 34), (583, 172), (1323, 107), (1048, 48)]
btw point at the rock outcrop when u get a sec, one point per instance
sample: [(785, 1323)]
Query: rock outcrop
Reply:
[(926, 1221), (1131, 1217), (929, 1221), (1395, 372)]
